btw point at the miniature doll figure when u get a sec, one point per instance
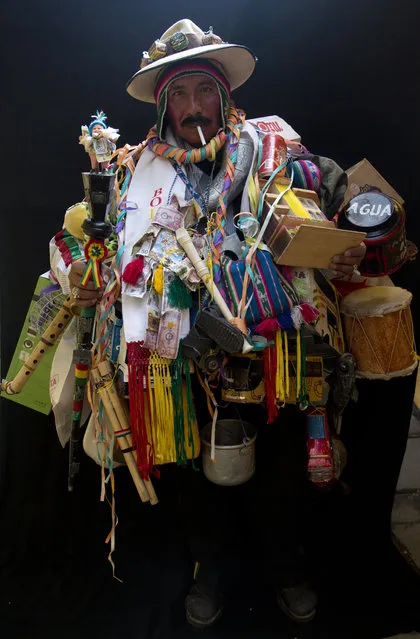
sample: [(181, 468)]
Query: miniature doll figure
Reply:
[(99, 141)]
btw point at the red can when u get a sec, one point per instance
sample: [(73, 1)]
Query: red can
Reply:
[(274, 153)]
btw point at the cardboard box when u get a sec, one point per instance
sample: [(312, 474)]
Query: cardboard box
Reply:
[(275, 124), (364, 173)]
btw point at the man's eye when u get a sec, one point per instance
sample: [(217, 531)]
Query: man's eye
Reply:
[(207, 89)]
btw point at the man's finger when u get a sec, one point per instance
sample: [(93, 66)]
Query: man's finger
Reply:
[(342, 259), (83, 294), (85, 303), (75, 281), (356, 251), (342, 268)]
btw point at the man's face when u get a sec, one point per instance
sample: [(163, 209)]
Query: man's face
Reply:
[(194, 100)]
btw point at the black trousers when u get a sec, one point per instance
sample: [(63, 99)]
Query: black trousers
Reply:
[(267, 513)]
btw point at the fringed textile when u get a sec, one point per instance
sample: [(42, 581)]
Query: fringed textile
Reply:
[(138, 383), (270, 368), (184, 412), (161, 408)]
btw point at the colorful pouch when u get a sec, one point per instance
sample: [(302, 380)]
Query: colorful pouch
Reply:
[(271, 291)]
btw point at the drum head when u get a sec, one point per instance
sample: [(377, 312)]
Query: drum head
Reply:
[(375, 301), (373, 212)]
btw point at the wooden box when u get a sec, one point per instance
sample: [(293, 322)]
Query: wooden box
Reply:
[(299, 234)]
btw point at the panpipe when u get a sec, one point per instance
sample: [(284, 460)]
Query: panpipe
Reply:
[(102, 378)]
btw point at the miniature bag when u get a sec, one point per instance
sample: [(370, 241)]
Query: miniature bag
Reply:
[(272, 293)]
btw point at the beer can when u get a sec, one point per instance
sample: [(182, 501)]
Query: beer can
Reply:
[(274, 153)]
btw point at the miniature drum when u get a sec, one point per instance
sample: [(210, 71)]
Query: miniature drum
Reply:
[(379, 331)]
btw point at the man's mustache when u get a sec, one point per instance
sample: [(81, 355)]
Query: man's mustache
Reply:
[(195, 119)]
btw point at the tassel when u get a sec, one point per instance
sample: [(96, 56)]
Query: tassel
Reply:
[(267, 327), (185, 421), (298, 364), (301, 371), (189, 408), (178, 402), (309, 313), (286, 365), (280, 398), (133, 270), (162, 410), (297, 317), (178, 295), (270, 367), (285, 321), (138, 360), (158, 280), (301, 287)]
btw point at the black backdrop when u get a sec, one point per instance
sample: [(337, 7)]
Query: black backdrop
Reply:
[(344, 74)]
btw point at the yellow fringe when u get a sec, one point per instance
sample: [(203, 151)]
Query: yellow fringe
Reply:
[(161, 407)]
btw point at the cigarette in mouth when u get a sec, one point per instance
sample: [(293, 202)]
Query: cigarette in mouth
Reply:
[(202, 138)]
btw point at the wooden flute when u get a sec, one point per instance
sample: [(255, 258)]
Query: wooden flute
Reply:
[(47, 340)]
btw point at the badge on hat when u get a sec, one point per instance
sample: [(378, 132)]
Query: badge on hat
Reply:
[(157, 51), (179, 41)]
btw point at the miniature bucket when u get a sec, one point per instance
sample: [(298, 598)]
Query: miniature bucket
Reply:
[(234, 452)]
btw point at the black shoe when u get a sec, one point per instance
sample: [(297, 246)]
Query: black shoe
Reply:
[(202, 610), (299, 602), (196, 344), (229, 337)]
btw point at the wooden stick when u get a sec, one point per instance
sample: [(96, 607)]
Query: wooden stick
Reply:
[(116, 426), (203, 273), (106, 371), (47, 340)]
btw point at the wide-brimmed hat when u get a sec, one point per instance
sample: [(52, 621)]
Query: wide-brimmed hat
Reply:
[(183, 41)]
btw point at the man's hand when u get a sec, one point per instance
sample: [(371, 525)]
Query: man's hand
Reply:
[(345, 265), (85, 296)]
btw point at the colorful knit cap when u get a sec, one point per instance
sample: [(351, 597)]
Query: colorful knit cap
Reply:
[(306, 175), (98, 118), (190, 67)]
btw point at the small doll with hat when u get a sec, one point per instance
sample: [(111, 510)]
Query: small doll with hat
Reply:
[(99, 141)]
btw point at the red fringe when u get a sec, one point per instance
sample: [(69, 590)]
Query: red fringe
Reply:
[(133, 270), (138, 362), (270, 367)]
